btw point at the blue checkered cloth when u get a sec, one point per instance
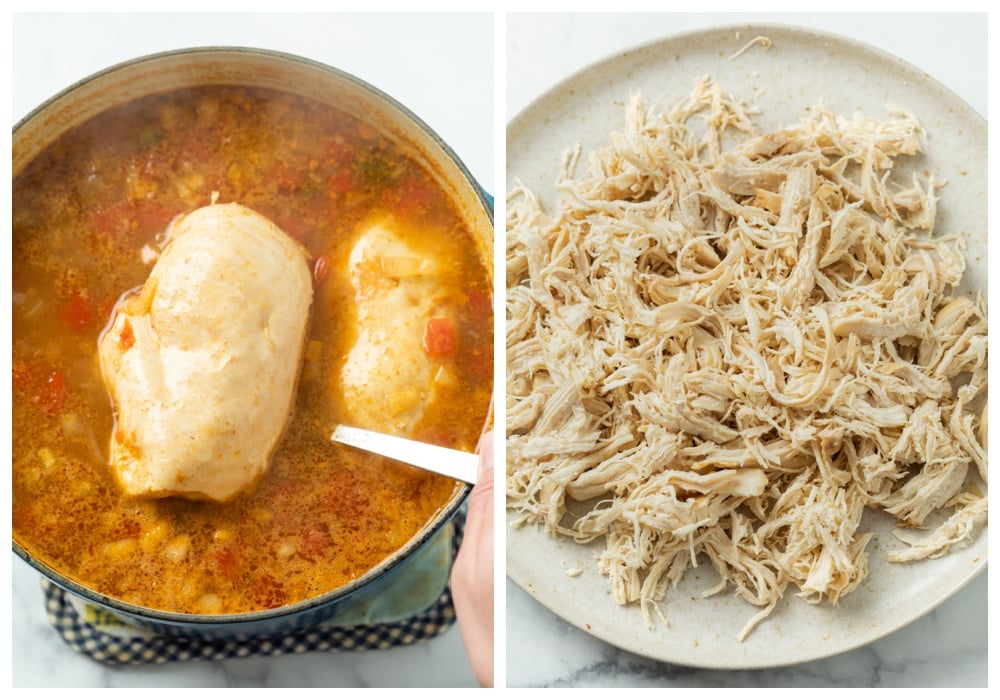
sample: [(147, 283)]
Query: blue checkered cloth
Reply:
[(118, 650)]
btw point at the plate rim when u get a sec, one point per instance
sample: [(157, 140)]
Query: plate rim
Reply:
[(517, 121)]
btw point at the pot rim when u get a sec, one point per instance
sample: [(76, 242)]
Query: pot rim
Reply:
[(439, 520), (484, 197)]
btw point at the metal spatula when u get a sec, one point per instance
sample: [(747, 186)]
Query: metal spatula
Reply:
[(456, 464)]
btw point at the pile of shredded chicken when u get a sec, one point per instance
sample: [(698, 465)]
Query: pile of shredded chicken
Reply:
[(729, 344)]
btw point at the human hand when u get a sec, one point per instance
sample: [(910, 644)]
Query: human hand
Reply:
[(472, 574)]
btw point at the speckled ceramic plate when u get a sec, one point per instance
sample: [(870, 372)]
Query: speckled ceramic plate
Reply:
[(799, 70)]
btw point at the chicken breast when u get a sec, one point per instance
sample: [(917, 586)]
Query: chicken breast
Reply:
[(391, 373), (202, 363)]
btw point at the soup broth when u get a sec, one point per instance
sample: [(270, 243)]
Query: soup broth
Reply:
[(89, 217)]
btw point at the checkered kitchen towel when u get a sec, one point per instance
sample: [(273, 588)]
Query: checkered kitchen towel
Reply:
[(396, 617)]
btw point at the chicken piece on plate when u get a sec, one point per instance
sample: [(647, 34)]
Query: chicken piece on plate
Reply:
[(203, 361), (404, 329)]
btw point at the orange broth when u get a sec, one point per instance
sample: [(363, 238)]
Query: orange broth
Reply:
[(83, 211)]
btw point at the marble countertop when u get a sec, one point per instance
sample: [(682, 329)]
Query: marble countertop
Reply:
[(419, 60), (947, 647)]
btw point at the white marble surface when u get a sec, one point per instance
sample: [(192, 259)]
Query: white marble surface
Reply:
[(441, 68), (947, 647)]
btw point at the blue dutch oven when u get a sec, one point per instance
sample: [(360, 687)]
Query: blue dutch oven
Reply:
[(266, 69)]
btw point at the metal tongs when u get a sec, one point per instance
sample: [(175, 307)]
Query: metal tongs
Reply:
[(463, 466)]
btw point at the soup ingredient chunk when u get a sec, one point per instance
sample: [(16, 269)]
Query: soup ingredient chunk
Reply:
[(202, 363), (405, 328)]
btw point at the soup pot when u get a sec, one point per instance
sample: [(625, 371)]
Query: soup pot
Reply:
[(249, 67)]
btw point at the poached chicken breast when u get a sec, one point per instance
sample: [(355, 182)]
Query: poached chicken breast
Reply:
[(202, 362), (390, 374)]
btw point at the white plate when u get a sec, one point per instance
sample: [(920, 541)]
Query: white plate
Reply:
[(801, 69)]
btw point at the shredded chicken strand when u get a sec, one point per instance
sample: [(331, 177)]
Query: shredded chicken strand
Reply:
[(728, 345), (764, 42)]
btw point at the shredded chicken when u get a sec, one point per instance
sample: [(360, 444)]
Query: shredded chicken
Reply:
[(728, 344)]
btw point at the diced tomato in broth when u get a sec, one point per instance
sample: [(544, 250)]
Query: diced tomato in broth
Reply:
[(77, 314), (439, 336)]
